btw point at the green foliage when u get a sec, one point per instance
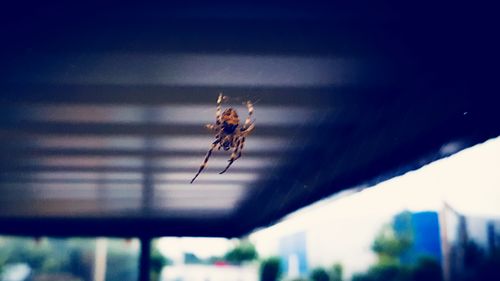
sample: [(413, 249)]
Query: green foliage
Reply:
[(319, 274), (390, 244), (270, 269), (385, 272), (158, 261), (79, 262), (337, 272), (244, 251), (37, 253), (70, 259), (191, 258), (121, 261), (428, 269), (215, 259)]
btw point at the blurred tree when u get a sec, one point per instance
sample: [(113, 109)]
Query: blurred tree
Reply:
[(336, 273), (35, 253), (360, 277), (70, 259), (390, 244), (158, 262), (270, 269), (79, 263), (385, 272), (394, 239), (191, 258), (428, 269), (121, 262), (215, 259), (80, 257), (319, 274), (244, 251)]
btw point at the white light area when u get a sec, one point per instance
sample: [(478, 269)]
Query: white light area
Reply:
[(199, 197), (471, 179), (451, 148), (217, 160), (74, 207), (236, 176), (74, 191), (342, 229), (87, 191), (190, 205), (268, 115), (86, 161), (133, 204), (85, 113), (210, 272), (120, 192), (203, 247), (196, 143), (175, 114), (197, 70), (196, 189), (95, 176), (253, 143), (90, 142)]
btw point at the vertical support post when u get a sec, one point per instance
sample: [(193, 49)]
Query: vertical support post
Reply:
[(101, 250), (445, 247), (145, 259), (148, 188)]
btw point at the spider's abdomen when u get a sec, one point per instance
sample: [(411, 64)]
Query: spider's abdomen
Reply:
[(227, 142), (226, 146)]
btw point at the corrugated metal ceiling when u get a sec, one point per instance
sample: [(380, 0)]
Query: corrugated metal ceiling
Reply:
[(104, 117)]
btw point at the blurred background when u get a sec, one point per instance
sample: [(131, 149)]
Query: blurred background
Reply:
[(376, 153), (440, 222)]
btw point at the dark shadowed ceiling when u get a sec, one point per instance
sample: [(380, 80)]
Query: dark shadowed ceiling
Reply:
[(104, 106)]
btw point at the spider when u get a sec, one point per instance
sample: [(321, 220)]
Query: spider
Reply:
[(228, 133)]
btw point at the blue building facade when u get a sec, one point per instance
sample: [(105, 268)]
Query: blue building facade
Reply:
[(424, 229), (292, 250)]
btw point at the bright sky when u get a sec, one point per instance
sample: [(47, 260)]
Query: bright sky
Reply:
[(469, 181), (175, 247)]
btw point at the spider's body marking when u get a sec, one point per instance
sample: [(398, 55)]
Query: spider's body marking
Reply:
[(230, 117), (228, 128), (229, 134)]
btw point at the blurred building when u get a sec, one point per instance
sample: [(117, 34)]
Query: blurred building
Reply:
[(293, 253), (470, 246), (425, 237)]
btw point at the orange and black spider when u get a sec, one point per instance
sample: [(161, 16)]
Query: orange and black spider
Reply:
[(229, 134)]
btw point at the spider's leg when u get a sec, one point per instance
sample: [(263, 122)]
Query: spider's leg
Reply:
[(233, 156), (247, 131), (249, 125), (211, 127), (214, 145), (218, 112), (236, 153), (250, 113), (242, 143)]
